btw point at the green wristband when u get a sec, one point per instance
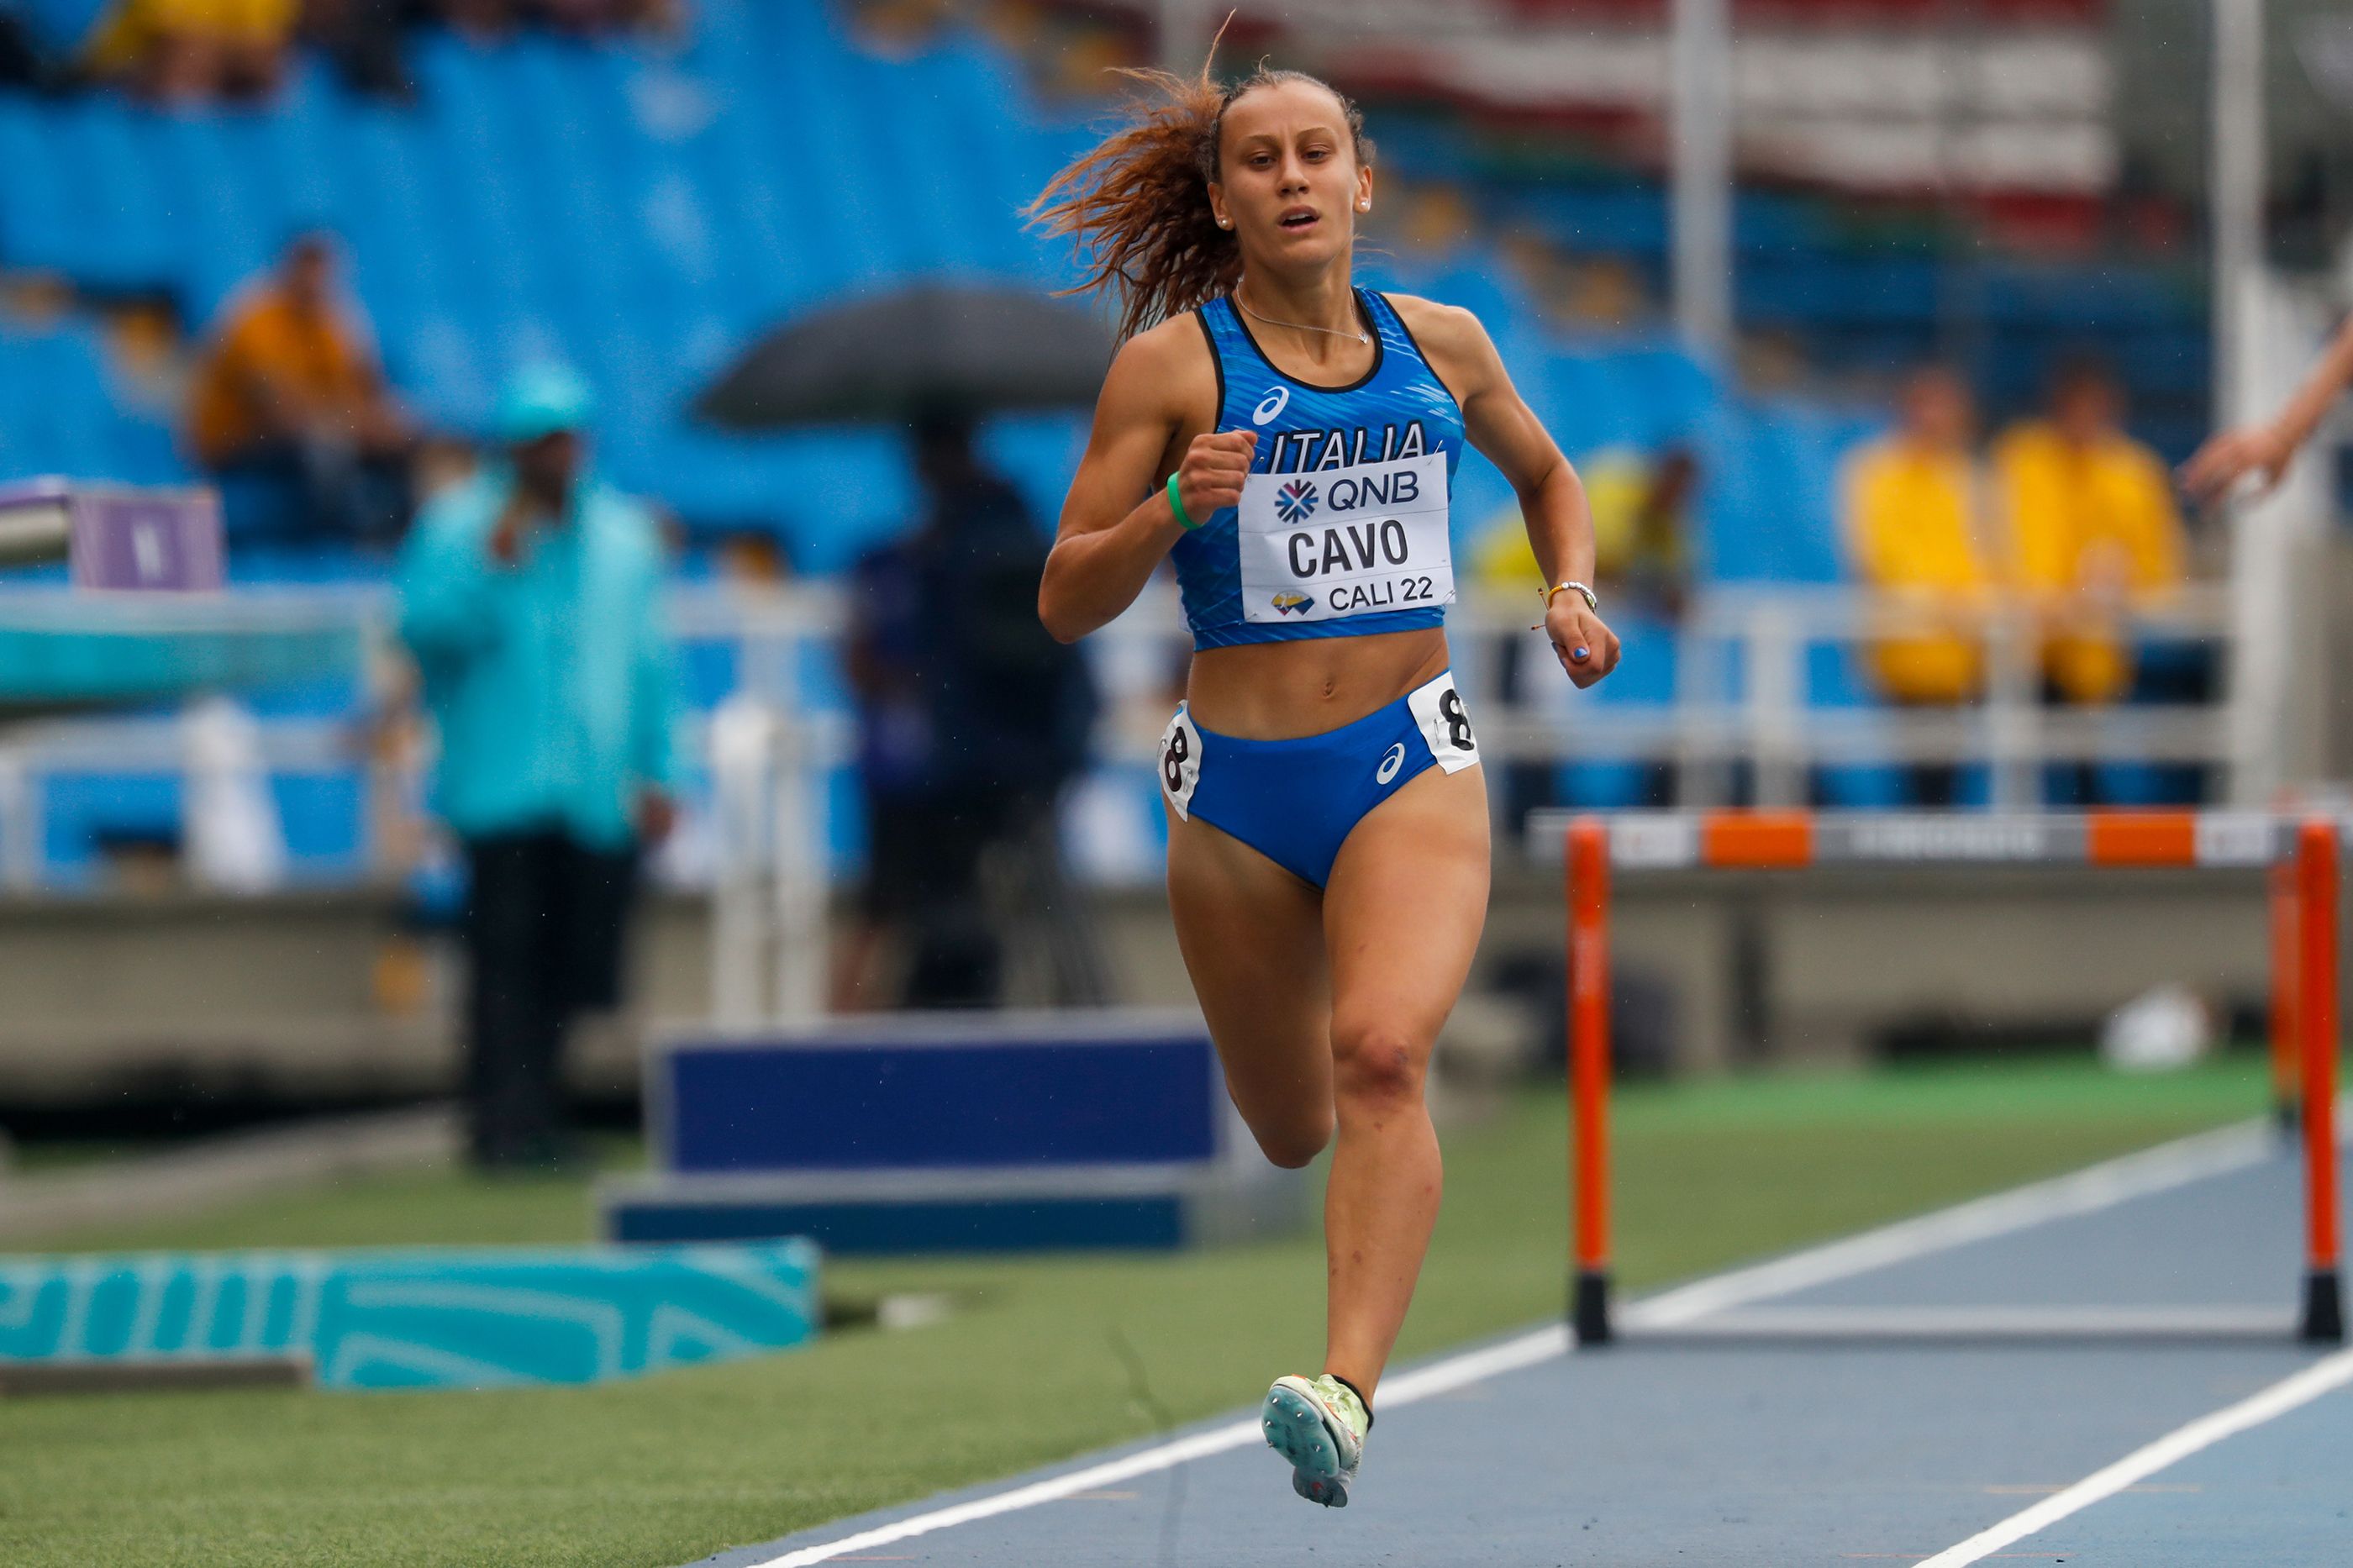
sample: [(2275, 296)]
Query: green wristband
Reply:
[(1176, 505)]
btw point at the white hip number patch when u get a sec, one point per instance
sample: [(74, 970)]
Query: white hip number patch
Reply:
[(1439, 713), (1180, 763), (1346, 541)]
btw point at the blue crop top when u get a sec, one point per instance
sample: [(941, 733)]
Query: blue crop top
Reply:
[(1342, 529)]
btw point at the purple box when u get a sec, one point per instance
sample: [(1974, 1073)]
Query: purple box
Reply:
[(116, 537), (147, 540)]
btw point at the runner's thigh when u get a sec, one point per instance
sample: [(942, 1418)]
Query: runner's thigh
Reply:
[(1403, 911), (1253, 936)]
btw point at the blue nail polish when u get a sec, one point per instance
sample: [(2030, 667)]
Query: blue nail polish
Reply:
[(1578, 654)]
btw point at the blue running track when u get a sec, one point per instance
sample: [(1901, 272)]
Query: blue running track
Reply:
[(1883, 1400)]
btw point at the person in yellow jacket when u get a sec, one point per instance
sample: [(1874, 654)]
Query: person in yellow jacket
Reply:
[(2091, 525), (185, 51), (1910, 506), (1910, 503)]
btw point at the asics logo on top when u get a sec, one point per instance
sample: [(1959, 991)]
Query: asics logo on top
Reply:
[(1272, 404), (1390, 764), (1296, 500)]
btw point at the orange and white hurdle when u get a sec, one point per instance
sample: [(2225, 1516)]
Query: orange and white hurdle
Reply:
[(2303, 852)]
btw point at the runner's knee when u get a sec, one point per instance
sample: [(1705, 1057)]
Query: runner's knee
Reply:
[(1376, 1064)]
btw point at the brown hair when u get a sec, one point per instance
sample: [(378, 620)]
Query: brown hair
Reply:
[(1138, 207)]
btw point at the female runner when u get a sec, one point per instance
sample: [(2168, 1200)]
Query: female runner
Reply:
[(1291, 439)]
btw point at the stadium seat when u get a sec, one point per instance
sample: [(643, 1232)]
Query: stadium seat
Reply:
[(648, 211)]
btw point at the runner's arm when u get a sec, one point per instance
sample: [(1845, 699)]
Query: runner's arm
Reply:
[(2267, 449), (1109, 542), (1499, 423)]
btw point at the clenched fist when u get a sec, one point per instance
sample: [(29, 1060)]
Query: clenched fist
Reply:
[(1213, 470), (1588, 649)]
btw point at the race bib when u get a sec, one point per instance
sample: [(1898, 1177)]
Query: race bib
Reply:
[(1346, 541), (1445, 727), (1180, 761)]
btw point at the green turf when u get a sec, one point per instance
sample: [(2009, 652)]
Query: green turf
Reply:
[(1030, 1368)]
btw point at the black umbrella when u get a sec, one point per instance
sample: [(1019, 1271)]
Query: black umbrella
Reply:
[(982, 349)]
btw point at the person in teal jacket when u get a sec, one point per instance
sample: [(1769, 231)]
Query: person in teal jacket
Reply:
[(530, 600)]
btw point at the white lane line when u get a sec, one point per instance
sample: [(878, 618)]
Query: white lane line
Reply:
[(2276, 1324), (2319, 1378), (2099, 1186), (1406, 1388), (2096, 1187)]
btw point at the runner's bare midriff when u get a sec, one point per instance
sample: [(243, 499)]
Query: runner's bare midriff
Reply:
[(1283, 691)]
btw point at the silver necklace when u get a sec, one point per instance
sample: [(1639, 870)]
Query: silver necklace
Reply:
[(1299, 326)]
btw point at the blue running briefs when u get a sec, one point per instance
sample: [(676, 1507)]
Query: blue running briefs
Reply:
[(1296, 802)]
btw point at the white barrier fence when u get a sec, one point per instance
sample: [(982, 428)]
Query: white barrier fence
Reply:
[(1740, 698)]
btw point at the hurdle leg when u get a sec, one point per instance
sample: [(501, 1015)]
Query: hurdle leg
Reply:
[(2286, 1041), (1587, 862), (2316, 895)]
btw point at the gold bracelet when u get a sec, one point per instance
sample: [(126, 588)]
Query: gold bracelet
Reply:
[(1591, 601)]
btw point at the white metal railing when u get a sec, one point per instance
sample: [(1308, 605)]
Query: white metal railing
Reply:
[(767, 753), (1741, 693), (1741, 657), (1764, 716)]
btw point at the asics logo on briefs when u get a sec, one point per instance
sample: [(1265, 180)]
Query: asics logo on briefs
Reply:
[(1391, 763), (1290, 603), (1272, 404), (1295, 501)]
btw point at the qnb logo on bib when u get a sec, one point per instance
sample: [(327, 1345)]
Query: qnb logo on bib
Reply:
[(1346, 540), (1271, 404), (1390, 764)]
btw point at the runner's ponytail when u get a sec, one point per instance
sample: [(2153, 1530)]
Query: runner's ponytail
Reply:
[(1138, 206)]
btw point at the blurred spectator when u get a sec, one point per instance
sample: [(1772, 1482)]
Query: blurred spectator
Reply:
[(192, 52), (363, 38), (972, 719), (41, 40), (442, 463), (1642, 522), (495, 19), (2092, 526), (753, 558), (2092, 523), (529, 598), (20, 56), (290, 410), (1913, 508)]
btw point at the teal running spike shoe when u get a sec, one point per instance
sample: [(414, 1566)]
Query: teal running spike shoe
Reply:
[(1319, 1425)]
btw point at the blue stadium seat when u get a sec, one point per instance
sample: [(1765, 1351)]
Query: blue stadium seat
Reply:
[(85, 809), (648, 212), (60, 28), (1768, 483), (1038, 453), (323, 818), (62, 414), (123, 200), (226, 225)]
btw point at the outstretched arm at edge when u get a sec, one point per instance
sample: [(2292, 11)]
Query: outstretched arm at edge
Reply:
[(2267, 449)]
